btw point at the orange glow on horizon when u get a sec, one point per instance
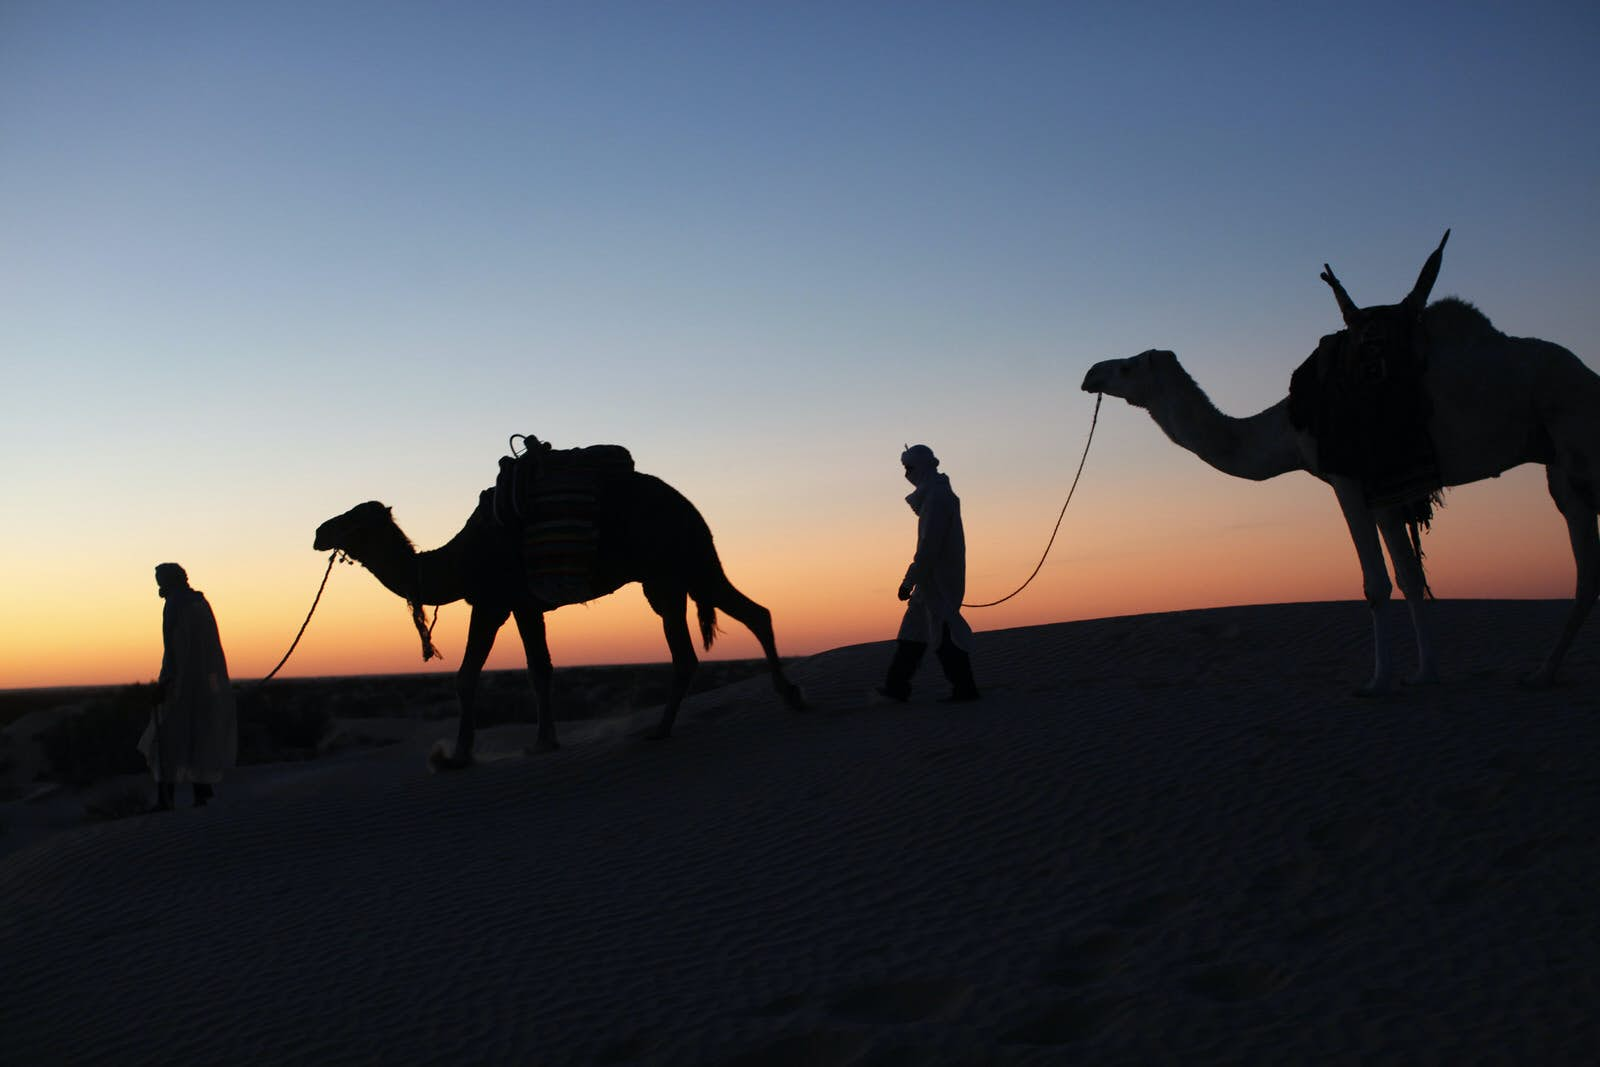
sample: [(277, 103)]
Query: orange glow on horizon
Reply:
[(828, 587)]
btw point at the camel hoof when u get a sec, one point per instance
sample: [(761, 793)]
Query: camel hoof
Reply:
[(1431, 678), (441, 758), (546, 746), (656, 733), (1371, 692), (789, 693), (1536, 680)]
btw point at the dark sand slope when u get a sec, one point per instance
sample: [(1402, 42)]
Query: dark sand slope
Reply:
[(1159, 839)]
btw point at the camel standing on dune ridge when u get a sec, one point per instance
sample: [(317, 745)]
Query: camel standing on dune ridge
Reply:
[(1497, 402), (648, 533)]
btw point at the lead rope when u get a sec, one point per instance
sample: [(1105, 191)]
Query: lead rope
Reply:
[(1095, 419), (424, 632), (333, 558)]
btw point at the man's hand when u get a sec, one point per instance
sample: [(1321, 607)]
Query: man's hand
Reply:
[(905, 589)]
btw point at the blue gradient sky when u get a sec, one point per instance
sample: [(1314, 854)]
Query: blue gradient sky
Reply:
[(261, 262)]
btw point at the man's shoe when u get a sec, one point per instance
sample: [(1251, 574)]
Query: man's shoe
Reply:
[(164, 798)]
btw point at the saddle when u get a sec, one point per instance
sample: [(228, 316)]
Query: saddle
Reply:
[(551, 498), (1362, 399)]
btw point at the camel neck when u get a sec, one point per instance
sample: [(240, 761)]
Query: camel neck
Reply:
[(437, 577), (432, 577), (1257, 447)]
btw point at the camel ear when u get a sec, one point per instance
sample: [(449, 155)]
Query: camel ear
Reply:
[(1347, 307), (1418, 298)]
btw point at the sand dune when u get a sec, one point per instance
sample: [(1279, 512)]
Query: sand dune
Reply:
[(1159, 839)]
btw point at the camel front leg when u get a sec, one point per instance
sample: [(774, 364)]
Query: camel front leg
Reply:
[(1375, 583), (481, 629), (535, 646), (1413, 584)]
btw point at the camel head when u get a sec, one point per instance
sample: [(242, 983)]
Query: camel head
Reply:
[(1137, 379), (1387, 327), (368, 534), (358, 531)]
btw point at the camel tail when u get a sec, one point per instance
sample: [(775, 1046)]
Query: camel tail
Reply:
[(708, 622)]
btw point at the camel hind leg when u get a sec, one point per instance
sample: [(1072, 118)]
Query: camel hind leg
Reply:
[(721, 594), (671, 605), (536, 650), (1574, 489)]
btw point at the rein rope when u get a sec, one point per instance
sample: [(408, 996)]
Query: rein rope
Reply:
[(337, 556), (333, 558), (424, 632), (1092, 421)]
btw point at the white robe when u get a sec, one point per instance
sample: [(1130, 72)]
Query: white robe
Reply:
[(938, 571), (193, 735)]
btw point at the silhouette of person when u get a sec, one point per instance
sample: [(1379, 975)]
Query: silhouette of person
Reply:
[(193, 732), (934, 584)]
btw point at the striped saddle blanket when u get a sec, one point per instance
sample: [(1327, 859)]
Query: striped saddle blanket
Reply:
[(552, 496), (1368, 412)]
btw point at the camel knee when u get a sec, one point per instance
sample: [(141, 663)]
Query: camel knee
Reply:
[(761, 626), (1588, 588), (1412, 585), (1588, 593), (1377, 591)]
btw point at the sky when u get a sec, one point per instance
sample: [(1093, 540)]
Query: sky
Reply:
[(262, 262)]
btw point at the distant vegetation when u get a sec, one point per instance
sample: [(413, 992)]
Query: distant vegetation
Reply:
[(291, 719), (102, 740)]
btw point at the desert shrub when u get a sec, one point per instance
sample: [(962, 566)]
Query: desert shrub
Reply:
[(15, 703), (278, 723), (119, 801), (101, 741)]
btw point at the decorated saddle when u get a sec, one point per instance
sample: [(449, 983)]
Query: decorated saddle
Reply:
[(552, 498), (1368, 411), (1363, 397)]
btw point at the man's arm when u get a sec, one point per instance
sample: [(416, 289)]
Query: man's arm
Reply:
[(933, 530)]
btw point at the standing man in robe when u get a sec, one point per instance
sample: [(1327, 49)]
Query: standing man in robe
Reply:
[(193, 734), (934, 585)]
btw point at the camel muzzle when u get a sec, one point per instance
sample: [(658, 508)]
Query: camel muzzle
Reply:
[(1095, 380)]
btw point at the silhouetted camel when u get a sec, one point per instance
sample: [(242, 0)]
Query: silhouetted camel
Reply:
[(648, 533), (1497, 402)]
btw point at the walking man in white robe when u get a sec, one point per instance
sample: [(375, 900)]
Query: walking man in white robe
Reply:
[(934, 585), (193, 734)]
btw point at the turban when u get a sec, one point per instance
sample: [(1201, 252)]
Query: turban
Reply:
[(171, 574)]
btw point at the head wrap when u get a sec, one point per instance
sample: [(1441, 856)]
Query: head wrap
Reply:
[(922, 469), (171, 574), (919, 456)]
